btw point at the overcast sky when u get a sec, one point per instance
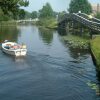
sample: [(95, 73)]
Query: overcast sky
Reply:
[(57, 5)]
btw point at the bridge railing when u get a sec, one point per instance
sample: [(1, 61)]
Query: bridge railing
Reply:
[(91, 24), (87, 16)]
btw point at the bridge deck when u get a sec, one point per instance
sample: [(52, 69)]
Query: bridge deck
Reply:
[(84, 19)]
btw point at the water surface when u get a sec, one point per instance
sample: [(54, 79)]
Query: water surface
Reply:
[(51, 70)]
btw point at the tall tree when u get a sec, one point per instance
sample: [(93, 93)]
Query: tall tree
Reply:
[(60, 14), (34, 14), (21, 14), (12, 5), (3, 17), (46, 11), (27, 15), (80, 5)]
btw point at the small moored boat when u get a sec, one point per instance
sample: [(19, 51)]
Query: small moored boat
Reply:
[(13, 48)]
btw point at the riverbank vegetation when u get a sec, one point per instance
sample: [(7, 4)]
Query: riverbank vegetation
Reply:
[(95, 47), (85, 43), (8, 14), (97, 15), (10, 9), (77, 41), (47, 17), (48, 23), (8, 23)]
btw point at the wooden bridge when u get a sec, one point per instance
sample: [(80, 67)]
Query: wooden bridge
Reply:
[(91, 23)]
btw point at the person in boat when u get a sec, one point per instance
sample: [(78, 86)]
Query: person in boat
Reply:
[(8, 46), (16, 46)]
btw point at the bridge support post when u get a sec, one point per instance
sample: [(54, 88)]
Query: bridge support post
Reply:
[(81, 30), (63, 25), (67, 27), (73, 27), (91, 32)]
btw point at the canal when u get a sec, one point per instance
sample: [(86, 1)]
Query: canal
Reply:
[(52, 70)]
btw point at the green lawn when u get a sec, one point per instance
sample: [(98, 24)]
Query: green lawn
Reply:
[(95, 47)]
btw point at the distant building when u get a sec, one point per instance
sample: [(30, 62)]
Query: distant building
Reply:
[(96, 8)]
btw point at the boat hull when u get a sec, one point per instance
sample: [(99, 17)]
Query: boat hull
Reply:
[(14, 52)]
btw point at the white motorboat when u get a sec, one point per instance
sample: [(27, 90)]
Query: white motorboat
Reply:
[(13, 48)]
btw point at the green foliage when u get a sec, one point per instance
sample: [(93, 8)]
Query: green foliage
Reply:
[(55, 14), (80, 5), (76, 41), (48, 22), (98, 15), (23, 2), (21, 14), (10, 9), (27, 15), (12, 6), (47, 17), (3, 17), (61, 14), (34, 14), (46, 11), (95, 47)]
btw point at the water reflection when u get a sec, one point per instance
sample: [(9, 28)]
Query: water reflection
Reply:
[(98, 75), (46, 35), (8, 33), (77, 52), (62, 32)]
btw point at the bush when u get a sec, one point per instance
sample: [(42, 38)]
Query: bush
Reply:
[(48, 22), (98, 15)]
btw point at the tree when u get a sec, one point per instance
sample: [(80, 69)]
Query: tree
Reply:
[(12, 5), (60, 14), (46, 11), (97, 15), (80, 5), (27, 15), (34, 14), (21, 14), (3, 17), (55, 14)]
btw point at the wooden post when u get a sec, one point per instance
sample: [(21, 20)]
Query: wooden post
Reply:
[(73, 26), (91, 32), (67, 27), (81, 29)]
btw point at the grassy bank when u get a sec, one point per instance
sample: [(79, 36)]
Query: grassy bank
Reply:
[(95, 47), (48, 23), (7, 23), (77, 41)]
